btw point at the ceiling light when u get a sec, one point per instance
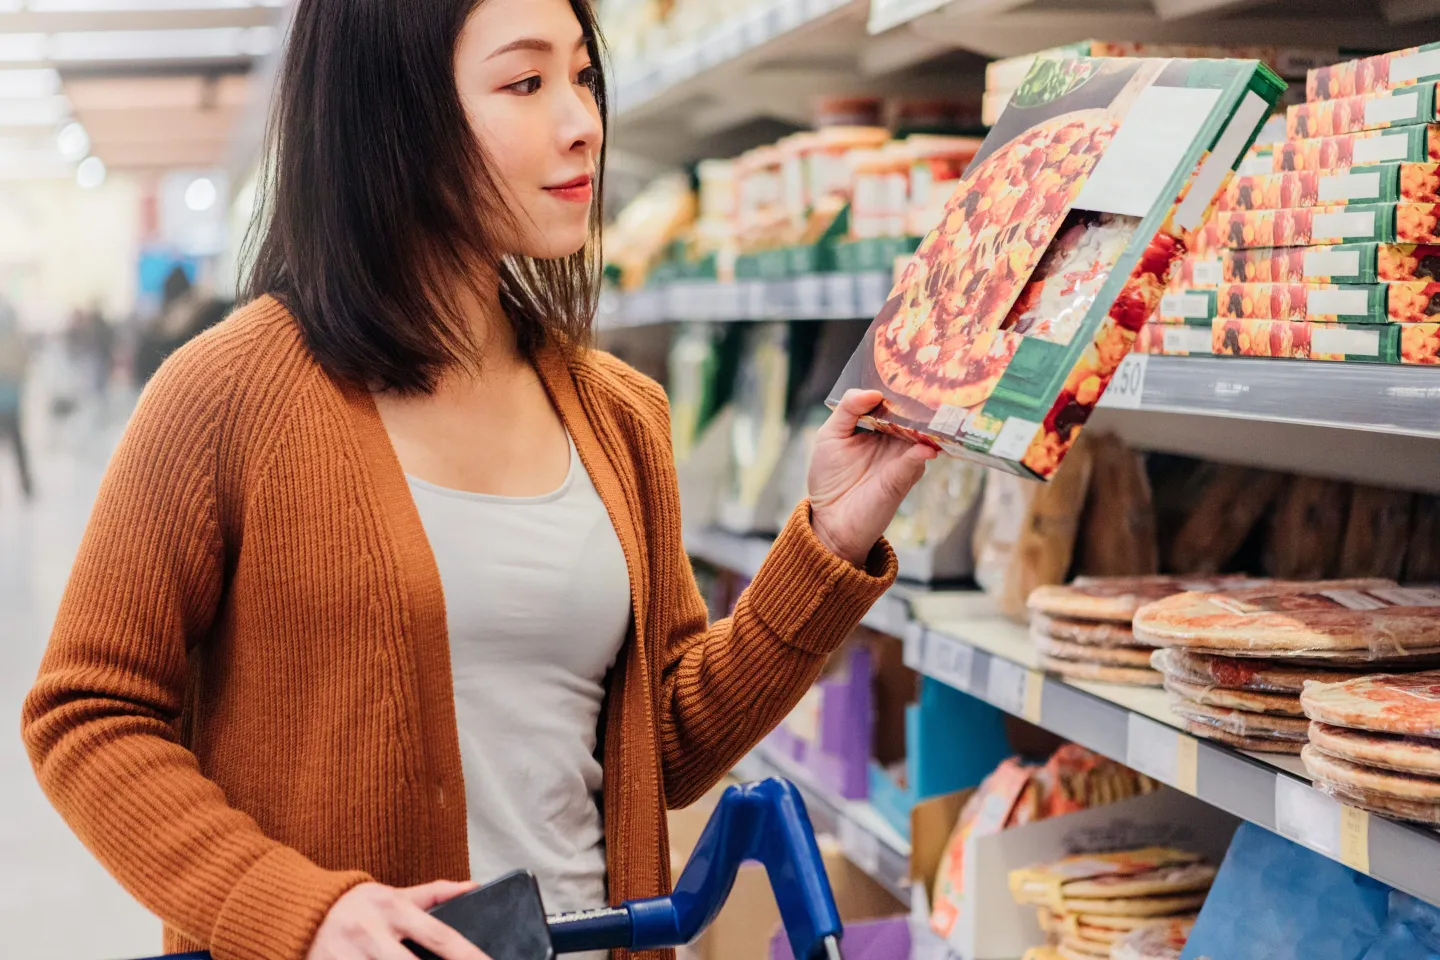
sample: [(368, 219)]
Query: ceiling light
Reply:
[(197, 44), (91, 173), (201, 194), (19, 47), (44, 112), (28, 83), (73, 141)]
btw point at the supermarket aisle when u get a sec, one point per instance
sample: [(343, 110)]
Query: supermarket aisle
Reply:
[(56, 902)]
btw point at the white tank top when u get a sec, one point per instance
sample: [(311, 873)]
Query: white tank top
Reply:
[(537, 600)]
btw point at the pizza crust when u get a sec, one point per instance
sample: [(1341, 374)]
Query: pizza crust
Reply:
[(1078, 670), (1385, 750), (1115, 656), (1164, 940), (1237, 673), (1185, 878), (1137, 906), (1271, 703), (1116, 599), (1293, 619), (1124, 924), (1369, 780), (1254, 744), (1080, 947), (1407, 704), (1242, 722), (1092, 633), (1416, 812)]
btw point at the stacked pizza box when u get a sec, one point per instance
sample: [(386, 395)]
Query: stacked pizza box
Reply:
[(1127, 904), (1004, 76), (1375, 742), (1236, 661), (1331, 253), (1082, 629)]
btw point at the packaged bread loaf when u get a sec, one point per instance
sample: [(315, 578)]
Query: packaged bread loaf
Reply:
[(1306, 529), (1117, 536), (1376, 533), (1233, 501)]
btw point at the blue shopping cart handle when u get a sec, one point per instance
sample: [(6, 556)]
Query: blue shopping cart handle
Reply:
[(764, 822)]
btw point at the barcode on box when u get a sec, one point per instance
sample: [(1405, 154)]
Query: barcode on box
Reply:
[(1359, 223), (948, 420), (1349, 186), (1391, 109), (1339, 303), (1392, 146), (1350, 343), (1332, 263)]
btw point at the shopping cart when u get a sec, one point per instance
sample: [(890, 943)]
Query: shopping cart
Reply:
[(764, 822)]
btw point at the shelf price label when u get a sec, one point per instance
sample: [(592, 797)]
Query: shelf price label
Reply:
[(1161, 752), (1322, 823), (949, 661), (1015, 689), (885, 14), (1127, 387), (914, 646), (860, 846)]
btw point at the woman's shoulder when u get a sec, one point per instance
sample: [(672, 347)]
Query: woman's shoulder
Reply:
[(622, 387)]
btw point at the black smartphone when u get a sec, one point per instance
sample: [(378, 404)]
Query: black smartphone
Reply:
[(505, 918)]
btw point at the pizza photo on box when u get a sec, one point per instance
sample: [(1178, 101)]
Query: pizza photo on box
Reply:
[(1004, 329)]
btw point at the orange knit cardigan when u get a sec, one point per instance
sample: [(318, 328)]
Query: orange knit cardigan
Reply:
[(245, 708)]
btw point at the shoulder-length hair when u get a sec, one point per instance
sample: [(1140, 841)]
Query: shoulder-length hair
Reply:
[(378, 213)]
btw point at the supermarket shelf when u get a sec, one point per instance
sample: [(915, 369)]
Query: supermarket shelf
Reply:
[(958, 638), (827, 296), (866, 839)]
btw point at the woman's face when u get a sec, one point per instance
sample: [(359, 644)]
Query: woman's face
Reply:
[(525, 78)]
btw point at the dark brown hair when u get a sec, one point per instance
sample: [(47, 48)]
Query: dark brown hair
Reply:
[(378, 211)]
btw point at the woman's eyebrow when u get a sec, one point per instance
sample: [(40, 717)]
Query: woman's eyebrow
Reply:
[(533, 43)]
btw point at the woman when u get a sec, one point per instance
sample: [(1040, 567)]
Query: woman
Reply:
[(386, 581)]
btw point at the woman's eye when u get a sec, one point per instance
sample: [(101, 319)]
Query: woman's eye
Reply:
[(589, 77), (526, 87)]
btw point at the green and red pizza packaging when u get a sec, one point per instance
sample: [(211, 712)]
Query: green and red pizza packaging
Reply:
[(1304, 340), (1366, 111), (1380, 183), (1336, 263), (1377, 74), (1312, 226), (1415, 144), (1420, 343), (1007, 325), (1407, 301)]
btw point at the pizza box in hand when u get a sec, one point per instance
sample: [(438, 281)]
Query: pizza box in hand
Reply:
[(1008, 323)]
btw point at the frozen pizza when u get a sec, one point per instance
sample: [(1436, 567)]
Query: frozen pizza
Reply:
[(1162, 940), (1406, 704), (1236, 673), (1387, 751), (1117, 598)]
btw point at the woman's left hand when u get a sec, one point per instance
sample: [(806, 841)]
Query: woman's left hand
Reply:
[(858, 478)]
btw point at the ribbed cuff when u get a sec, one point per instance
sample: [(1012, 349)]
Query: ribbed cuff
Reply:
[(276, 908), (809, 597)]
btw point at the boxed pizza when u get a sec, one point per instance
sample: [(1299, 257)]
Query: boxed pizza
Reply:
[(1312, 226), (1366, 111), (1380, 183), (1334, 263), (1416, 144), (1319, 302), (1187, 306), (1006, 326), (1385, 71), (1204, 271), (1292, 63), (1420, 343), (1303, 340), (1189, 339)]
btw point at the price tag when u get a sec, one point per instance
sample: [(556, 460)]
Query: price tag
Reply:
[(1127, 387), (1034, 696), (914, 646), (860, 846), (1307, 816), (1006, 686), (1355, 838), (1161, 752), (949, 661)]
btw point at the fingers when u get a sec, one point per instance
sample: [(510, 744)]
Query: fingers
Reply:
[(902, 472), (439, 938), (847, 413), (426, 896)]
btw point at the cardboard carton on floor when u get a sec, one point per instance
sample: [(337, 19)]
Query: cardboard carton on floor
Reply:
[(991, 926)]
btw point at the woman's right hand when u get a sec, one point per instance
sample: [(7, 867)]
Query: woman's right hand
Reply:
[(369, 921)]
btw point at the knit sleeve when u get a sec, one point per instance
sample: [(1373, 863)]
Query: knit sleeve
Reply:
[(725, 685), (103, 721)]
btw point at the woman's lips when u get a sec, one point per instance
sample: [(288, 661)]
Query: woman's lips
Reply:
[(578, 190)]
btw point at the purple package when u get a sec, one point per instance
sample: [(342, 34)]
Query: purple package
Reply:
[(887, 939), (838, 759)]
